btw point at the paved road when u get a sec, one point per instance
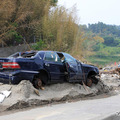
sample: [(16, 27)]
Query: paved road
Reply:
[(81, 110)]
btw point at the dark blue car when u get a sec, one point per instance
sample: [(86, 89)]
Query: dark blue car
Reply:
[(45, 67)]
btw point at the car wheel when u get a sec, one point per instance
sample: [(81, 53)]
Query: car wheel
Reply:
[(95, 80), (37, 83), (44, 79), (89, 82), (39, 80)]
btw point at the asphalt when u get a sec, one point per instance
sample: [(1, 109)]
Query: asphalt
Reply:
[(97, 109)]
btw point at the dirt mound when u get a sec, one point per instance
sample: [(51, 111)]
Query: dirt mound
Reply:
[(25, 95)]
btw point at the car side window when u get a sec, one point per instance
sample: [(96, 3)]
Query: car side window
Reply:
[(52, 56), (69, 59)]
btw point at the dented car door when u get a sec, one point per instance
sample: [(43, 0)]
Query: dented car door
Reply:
[(73, 68)]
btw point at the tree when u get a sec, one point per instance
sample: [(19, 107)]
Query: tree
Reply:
[(109, 41), (20, 18), (59, 29)]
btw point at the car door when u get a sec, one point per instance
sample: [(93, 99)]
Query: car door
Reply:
[(54, 66), (73, 68), (80, 74)]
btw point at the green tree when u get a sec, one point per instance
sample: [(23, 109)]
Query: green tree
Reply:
[(109, 41)]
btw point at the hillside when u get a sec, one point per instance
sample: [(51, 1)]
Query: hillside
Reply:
[(102, 42)]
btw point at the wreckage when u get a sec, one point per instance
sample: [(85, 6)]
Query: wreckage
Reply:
[(46, 67)]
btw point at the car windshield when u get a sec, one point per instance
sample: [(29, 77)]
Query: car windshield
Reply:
[(27, 54)]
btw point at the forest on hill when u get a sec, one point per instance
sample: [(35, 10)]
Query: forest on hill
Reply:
[(102, 42)]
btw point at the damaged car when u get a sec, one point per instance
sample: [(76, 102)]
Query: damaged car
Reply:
[(46, 67)]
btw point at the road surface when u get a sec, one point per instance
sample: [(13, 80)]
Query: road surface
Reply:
[(81, 110)]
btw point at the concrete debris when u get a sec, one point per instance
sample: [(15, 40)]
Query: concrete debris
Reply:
[(2, 97), (111, 79), (4, 94)]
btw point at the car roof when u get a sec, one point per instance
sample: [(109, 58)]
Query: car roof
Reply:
[(50, 51)]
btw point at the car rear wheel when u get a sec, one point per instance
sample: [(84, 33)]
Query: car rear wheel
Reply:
[(37, 83), (40, 80)]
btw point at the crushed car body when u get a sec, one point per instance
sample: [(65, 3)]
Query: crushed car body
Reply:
[(46, 67)]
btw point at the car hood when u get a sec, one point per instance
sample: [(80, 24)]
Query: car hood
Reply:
[(87, 65)]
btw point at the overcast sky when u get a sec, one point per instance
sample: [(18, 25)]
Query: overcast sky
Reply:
[(92, 11)]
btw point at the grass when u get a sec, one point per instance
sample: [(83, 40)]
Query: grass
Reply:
[(103, 60)]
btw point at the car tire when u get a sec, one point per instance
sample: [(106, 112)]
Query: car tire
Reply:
[(40, 80), (44, 78), (89, 82), (37, 83)]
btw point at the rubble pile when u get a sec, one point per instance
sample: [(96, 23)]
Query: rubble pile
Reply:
[(25, 95), (112, 81)]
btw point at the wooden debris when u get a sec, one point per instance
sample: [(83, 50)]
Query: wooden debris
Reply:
[(42, 88), (37, 92), (85, 87)]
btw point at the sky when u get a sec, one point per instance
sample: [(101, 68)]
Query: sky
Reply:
[(94, 11)]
